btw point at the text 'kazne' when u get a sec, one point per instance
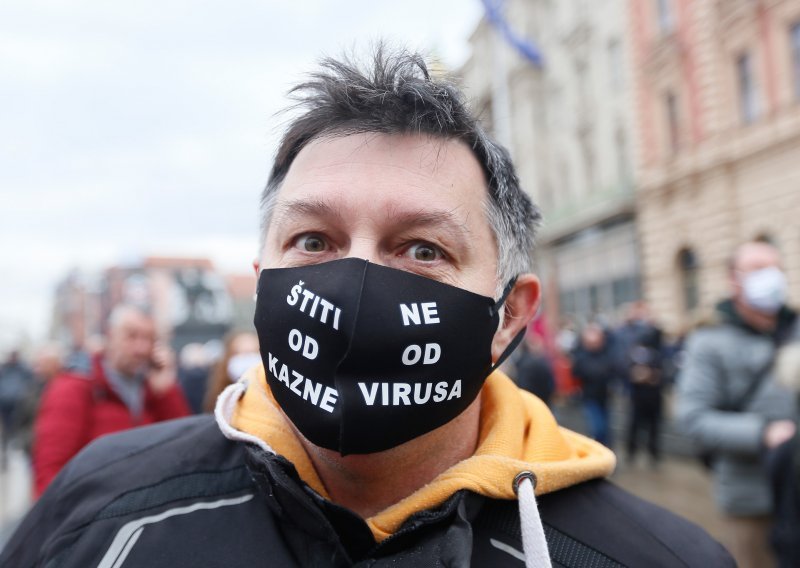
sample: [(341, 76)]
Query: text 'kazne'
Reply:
[(314, 306), (307, 389)]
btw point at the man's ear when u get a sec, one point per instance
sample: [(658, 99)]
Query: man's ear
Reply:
[(520, 307), (256, 266)]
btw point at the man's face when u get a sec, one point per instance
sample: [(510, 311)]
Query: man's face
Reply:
[(750, 258), (130, 343), (244, 343), (404, 201), (46, 364), (593, 338)]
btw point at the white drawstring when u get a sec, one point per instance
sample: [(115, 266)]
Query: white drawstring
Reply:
[(534, 544), (223, 412)]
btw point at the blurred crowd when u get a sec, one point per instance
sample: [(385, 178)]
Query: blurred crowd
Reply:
[(595, 362), (55, 401)]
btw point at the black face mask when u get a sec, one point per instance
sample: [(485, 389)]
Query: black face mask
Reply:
[(362, 357)]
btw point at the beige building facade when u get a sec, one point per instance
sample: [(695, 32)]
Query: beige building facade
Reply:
[(717, 94), (568, 125)]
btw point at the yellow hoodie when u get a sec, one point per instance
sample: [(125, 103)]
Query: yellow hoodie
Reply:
[(517, 433)]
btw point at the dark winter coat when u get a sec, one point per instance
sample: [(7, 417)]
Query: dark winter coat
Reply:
[(180, 494), (596, 371)]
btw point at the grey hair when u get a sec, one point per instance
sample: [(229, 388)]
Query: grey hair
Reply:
[(122, 311), (397, 95), (50, 349)]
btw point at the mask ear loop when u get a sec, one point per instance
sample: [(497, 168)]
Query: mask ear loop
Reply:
[(495, 309)]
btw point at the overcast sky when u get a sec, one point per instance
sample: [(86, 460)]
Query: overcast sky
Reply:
[(147, 127)]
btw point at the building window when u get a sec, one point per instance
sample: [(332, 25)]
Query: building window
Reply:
[(664, 15), (621, 144), (748, 96), (689, 272), (588, 159), (615, 63), (567, 302), (565, 196), (625, 290), (795, 46), (673, 122), (594, 299), (546, 195), (765, 238)]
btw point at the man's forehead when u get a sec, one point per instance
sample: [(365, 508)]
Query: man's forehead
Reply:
[(752, 256), (417, 154), (135, 322), (417, 179)]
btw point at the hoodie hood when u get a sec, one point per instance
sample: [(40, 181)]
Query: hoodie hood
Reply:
[(518, 433)]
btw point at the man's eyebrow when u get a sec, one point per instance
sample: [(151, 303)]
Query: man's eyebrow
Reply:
[(289, 211), (446, 220)]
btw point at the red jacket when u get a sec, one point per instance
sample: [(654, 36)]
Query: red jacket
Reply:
[(75, 409)]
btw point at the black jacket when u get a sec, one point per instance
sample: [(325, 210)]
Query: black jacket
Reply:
[(595, 371), (783, 464), (180, 494), (535, 374)]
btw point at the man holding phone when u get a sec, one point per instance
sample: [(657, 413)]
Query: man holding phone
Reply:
[(132, 383)]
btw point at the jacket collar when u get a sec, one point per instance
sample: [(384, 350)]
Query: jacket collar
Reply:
[(727, 313)]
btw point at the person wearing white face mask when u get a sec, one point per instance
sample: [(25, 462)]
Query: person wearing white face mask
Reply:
[(240, 354), (729, 402)]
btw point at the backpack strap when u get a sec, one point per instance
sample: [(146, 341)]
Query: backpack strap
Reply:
[(738, 404)]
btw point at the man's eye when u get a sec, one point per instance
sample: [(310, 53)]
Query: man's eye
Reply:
[(424, 252), (311, 243)]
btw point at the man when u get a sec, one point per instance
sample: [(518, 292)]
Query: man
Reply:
[(640, 364), (593, 366), (131, 384), (533, 370), (393, 277), (729, 402), (15, 377), (47, 363), (193, 371), (646, 383)]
